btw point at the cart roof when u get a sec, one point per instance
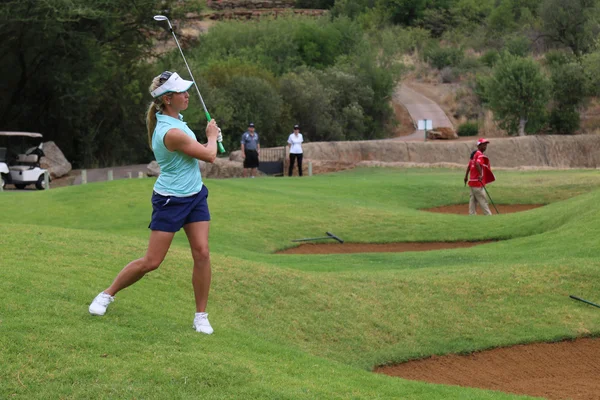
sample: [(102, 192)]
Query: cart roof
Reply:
[(29, 134)]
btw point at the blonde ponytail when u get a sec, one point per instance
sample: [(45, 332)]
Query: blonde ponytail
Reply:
[(156, 106), (151, 122)]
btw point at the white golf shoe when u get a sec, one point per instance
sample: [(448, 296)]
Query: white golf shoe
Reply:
[(100, 304), (201, 323)]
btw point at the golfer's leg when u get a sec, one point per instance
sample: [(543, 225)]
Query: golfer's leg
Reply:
[(197, 234), (472, 202), (291, 168), (134, 271), (299, 164)]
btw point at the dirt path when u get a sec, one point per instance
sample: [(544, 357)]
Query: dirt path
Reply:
[(420, 107), (564, 370)]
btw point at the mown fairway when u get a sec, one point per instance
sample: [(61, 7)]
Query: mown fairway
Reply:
[(290, 326)]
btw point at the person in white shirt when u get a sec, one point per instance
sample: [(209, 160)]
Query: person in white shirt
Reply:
[(295, 144)]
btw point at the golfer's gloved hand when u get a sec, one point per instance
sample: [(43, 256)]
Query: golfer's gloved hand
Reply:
[(220, 136)]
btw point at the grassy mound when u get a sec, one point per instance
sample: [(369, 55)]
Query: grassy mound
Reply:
[(290, 326)]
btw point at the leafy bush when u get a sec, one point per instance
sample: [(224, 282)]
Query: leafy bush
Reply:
[(518, 45), (556, 58), (469, 63), (440, 57), (314, 4), (564, 120), (469, 128), (490, 58)]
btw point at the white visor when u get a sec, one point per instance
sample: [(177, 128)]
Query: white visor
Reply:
[(175, 83)]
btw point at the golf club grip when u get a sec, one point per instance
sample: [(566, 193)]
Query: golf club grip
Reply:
[(219, 144)]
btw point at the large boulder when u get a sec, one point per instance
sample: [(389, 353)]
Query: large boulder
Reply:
[(54, 161), (153, 169), (442, 133), (222, 168)]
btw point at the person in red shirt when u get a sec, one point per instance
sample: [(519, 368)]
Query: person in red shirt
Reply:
[(479, 174)]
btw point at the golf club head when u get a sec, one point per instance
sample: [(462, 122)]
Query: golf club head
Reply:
[(163, 18)]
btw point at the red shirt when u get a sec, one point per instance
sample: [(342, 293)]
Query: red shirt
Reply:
[(473, 172), (484, 163)]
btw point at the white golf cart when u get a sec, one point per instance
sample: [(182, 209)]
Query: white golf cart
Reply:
[(18, 166)]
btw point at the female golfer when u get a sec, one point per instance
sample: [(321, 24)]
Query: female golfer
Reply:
[(179, 198), (295, 141)]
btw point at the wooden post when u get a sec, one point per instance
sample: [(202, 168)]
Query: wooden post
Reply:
[(140, 174), (83, 176), (129, 174), (310, 168), (46, 180), (110, 174)]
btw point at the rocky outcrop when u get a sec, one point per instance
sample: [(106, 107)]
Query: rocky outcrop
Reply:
[(54, 161)]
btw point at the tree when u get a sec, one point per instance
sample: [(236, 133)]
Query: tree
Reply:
[(573, 23), (76, 76), (569, 90), (517, 93)]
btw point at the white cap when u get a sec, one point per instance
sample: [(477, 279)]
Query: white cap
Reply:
[(175, 83)]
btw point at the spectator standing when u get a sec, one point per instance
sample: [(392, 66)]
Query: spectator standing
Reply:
[(295, 144), (250, 150)]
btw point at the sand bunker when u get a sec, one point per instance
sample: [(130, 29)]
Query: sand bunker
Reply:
[(563, 370), (343, 248), (463, 209)]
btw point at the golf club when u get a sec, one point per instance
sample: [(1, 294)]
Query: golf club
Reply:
[(492, 201), (329, 236), (583, 300), (163, 18)]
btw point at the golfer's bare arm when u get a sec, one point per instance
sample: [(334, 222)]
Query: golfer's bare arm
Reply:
[(177, 140)]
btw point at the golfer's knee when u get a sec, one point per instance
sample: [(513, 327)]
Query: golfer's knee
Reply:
[(201, 254), (150, 264)]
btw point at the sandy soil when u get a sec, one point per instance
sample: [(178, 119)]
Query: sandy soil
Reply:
[(563, 370), (463, 209)]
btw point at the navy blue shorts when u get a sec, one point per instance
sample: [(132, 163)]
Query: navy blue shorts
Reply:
[(170, 213)]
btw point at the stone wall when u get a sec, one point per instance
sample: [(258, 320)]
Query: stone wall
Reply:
[(580, 151)]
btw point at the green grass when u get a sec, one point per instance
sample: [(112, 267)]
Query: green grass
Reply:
[(290, 326)]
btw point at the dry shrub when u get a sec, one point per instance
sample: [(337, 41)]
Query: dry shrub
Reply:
[(489, 127)]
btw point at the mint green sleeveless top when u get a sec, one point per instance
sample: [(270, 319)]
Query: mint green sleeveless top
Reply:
[(179, 173)]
